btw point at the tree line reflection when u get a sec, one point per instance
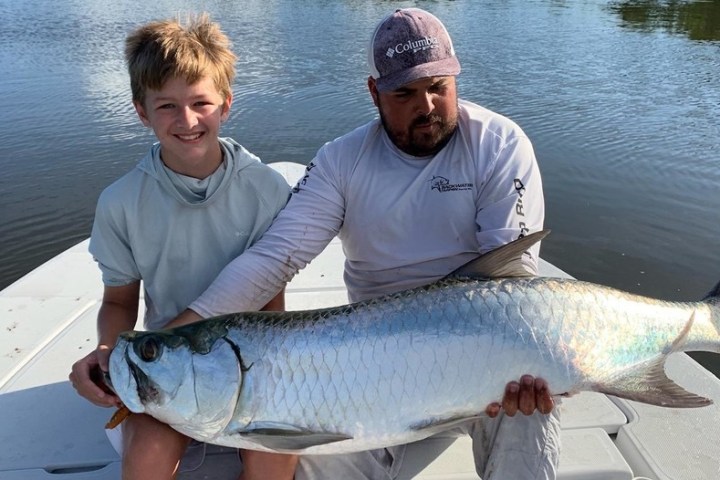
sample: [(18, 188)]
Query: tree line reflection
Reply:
[(699, 20)]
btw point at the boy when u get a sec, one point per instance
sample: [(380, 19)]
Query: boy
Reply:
[(195, 202)]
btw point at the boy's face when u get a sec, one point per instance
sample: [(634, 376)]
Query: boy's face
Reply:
[(186, 120)]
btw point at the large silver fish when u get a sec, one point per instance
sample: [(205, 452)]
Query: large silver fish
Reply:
[(405, 366)]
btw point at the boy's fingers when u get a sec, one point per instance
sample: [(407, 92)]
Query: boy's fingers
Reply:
[(103, 357), (83, 378)]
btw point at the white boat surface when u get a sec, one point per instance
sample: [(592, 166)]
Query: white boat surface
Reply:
[(47, 432)]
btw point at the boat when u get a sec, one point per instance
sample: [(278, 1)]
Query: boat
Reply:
[(48, 432)]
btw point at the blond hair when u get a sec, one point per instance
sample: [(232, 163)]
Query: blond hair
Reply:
[(161, 50)]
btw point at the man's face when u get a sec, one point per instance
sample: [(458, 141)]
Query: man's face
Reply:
[(419, 117)]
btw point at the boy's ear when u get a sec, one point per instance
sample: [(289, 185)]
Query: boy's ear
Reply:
[(226, 107), (141, 113)]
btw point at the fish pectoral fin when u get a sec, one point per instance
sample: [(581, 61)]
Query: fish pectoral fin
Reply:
[(649, 384), (436, 425), (505, 261), (288, 438)]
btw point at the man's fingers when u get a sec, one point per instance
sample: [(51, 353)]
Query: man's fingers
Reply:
[(526, 396), (493, 410), (543, 399), (526, 403), (510, 399)]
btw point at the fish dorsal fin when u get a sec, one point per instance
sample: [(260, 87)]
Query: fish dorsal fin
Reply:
[(505, 261), (288, 438)]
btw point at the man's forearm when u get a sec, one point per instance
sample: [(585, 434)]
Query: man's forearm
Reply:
[(185, 317)]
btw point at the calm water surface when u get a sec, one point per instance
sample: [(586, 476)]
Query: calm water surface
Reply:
[(621, 100)]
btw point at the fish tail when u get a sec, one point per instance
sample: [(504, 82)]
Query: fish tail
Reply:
[(654, 386), (701, 332)]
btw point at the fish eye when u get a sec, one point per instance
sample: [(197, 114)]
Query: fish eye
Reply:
[(149, 349)]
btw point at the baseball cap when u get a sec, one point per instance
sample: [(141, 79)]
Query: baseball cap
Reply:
[(407, 45)]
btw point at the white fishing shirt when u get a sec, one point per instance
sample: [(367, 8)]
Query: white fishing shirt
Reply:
[(176, 233), (403, 221)]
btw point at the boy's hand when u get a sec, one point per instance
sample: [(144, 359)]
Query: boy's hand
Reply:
[(526, 396), (86, 378)]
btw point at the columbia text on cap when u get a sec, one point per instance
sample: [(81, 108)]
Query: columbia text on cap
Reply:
[(407, 45)]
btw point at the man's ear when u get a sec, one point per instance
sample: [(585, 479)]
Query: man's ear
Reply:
[(226, 107), (372, 87), (140, 110)]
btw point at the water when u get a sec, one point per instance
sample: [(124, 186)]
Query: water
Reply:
[(621, 100)]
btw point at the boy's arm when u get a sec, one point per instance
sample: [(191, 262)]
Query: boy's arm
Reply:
[(118, 313)]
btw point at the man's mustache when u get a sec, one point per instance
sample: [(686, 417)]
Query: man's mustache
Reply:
[(424, 120)]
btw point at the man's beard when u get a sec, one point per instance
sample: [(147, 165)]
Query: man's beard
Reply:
[(422, 144)]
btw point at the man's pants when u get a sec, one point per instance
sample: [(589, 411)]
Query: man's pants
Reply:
[(518, 448)]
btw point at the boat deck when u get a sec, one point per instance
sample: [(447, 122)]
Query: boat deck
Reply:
[(47, 321)]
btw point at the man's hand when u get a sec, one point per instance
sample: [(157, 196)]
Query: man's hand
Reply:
[(528, 395), (86, 378)]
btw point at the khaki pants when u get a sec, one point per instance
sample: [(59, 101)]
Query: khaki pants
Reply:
[(518, 448)]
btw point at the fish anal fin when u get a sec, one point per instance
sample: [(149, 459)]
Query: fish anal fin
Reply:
[(432, 426), (648, 383), (682, 337), (505, 261)]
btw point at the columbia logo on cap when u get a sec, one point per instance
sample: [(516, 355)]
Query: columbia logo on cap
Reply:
[(407, 45), (413, 46)]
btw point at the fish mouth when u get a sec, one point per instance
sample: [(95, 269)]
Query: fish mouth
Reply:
[(108, 381)]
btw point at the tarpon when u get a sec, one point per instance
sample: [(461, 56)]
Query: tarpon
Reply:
[(404, 366)]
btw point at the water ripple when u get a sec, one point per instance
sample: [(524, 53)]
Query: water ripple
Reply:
[(624, 118)]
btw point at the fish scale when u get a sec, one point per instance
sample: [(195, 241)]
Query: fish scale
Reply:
[(408, 365)]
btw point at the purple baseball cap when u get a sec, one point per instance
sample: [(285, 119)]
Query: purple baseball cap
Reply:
[(407, 45)]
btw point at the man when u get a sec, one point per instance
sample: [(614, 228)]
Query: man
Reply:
[(413, 195)]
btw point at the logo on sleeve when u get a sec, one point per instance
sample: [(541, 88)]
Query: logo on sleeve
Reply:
[(304, 179)]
